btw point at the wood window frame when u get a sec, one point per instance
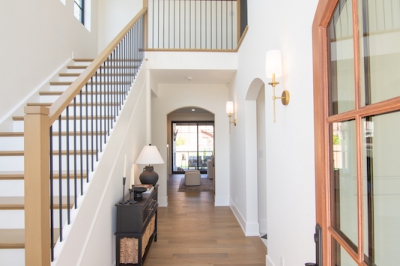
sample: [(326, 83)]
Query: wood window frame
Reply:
[(322, 120)]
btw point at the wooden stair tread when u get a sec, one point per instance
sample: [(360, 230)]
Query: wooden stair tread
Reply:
[(11, 134), (77, 104), (71, 117), (52, 93), (98, 74), (83, 59), (67, 83), (11, 153), (15, 238), (18, 175), (17, 203)]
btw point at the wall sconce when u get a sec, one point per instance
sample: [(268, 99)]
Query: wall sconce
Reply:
[(273, 70), (229, 112)]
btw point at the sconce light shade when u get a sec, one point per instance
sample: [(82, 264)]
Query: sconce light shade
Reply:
[(229, 108), (273, 64)]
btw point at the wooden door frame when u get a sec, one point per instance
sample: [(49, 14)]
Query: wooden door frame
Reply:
[(321, 128)]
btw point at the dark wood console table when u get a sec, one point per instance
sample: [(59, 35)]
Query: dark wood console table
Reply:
[(136, 229)]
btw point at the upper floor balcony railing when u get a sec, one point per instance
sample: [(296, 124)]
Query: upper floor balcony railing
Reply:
[(196, 24)]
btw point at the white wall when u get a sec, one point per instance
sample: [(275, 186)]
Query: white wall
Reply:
[(289, 158), (209, 97), (113, 17), (37, 38), (91, 239)]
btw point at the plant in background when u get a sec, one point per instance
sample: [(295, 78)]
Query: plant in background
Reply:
[(180, 141)]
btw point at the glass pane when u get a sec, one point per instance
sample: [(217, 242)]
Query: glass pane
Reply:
[(206, 145), (381, 185), (341, 74), (339, 255), (193, 145), (78, 9), (344, 181), (379, 50)]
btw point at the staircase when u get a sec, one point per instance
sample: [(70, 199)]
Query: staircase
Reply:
[(12, 174), (82, 107)]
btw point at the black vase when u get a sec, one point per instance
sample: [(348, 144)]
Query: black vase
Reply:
[(149, 176)]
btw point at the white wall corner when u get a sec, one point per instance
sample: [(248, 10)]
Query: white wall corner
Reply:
[(252, 229), (163, 201), (221, 201)]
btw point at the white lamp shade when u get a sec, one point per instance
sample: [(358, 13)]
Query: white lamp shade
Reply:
[(149, 155), (229, 107), (273, 64)]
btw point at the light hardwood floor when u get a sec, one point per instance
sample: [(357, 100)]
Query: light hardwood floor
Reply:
[(192, 232)]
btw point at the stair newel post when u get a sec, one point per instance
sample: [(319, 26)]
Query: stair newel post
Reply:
[(36, 186)]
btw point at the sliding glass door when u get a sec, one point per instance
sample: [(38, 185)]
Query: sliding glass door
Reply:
[(192, 145)]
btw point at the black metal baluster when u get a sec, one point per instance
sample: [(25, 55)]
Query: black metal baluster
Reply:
[(91, 123), (205, 26), (153, 28), (97, 118), (211, 26), (68, 165), (60, 176), (221, 24), (87, 136), (75, 163), (226, 25), (81, 131), (51, 195), (102, 94), (232, 24)]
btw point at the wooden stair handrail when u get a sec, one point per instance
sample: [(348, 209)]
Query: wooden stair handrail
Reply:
[(72, 91)]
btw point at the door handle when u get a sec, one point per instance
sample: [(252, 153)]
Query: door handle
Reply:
[(318, 247)]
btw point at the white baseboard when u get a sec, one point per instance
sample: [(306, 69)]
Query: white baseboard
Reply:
[(163, 201)]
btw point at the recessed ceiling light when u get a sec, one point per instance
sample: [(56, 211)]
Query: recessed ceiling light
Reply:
[(193, 110), (189, 78)]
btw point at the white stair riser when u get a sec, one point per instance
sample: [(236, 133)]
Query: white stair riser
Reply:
[(16, 163), (15, 188), (102, 77), (17, 144), (112, 97), (11, 143), (15, 219), (12, 257), (18, 126)]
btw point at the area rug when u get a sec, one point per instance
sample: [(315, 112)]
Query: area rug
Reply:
[(205, 185)]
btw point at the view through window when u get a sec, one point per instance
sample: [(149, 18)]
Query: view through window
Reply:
[(193, 145)]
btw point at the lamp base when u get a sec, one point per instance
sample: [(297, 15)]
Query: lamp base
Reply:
[(148, 176)]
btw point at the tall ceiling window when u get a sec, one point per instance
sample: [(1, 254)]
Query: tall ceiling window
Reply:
[(79, 8)]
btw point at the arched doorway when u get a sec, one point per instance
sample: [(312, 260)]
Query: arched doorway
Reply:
[(191, 139), (255, 107)]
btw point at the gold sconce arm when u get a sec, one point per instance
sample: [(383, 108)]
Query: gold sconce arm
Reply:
[(285, 98)]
